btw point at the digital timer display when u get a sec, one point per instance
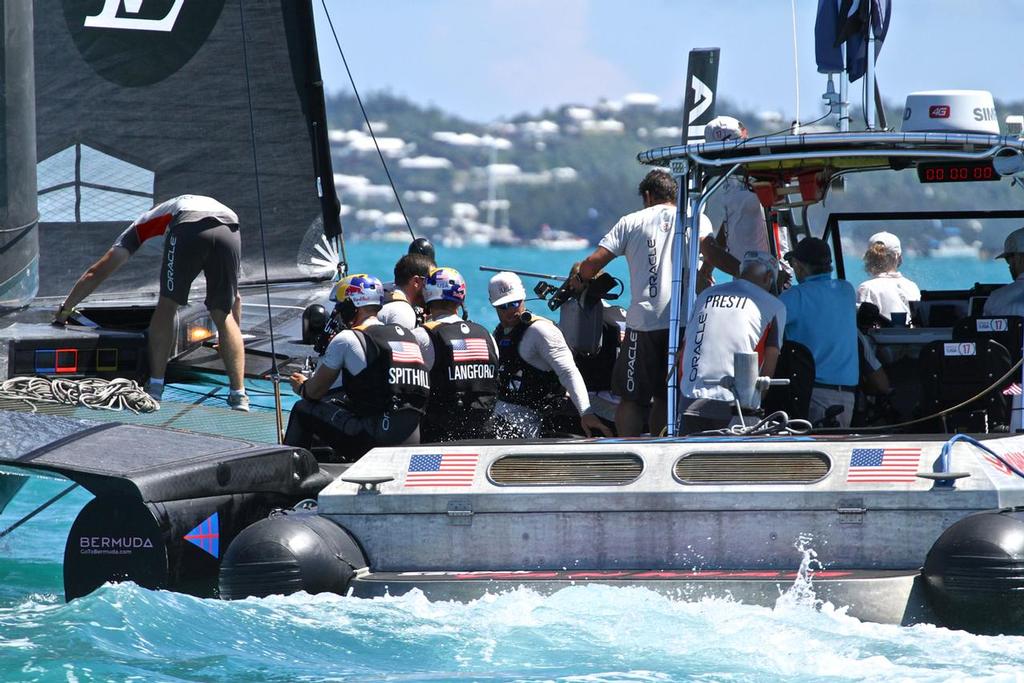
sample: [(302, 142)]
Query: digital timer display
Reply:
[(956, 171)]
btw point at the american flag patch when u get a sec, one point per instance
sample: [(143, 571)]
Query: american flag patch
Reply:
[(441, 469), (470, 349), (1012, 390), (405, 352), (883, 465)]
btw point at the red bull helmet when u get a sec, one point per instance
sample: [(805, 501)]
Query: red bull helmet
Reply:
[(360, 290), (444, 284)]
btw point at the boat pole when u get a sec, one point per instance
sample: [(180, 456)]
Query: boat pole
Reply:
[(19, 212), (869, 100), (680, 169)]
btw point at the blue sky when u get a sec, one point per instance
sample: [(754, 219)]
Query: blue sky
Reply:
[(488, 59)]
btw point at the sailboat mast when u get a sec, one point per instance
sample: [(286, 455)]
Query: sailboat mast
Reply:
[(19, 212)]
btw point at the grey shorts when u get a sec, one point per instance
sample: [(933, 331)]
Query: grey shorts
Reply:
[(207, 247)]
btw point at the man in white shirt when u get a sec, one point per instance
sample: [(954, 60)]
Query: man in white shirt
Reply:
[(887, 289), (645, 238), (738, 316), (1009, 300), (411, 273), (200, 235), (535, 365)]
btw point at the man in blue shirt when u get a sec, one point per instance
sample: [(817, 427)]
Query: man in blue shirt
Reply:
[(821, 314)]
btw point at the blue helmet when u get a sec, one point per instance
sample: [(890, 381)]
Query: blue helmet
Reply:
[(444, 284), (360, 290)]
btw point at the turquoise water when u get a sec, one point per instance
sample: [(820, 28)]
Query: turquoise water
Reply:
[(583, 634), (378, 258)]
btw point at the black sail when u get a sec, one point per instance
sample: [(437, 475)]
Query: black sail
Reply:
[(142, 100)]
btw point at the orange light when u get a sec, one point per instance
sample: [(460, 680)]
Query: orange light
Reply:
[(199, 333)]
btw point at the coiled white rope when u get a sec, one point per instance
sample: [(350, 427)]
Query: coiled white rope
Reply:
[(91, 392)]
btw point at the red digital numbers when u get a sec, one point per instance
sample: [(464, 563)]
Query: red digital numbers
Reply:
[(956, 173)]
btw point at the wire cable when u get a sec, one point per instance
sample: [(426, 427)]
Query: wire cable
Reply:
[(366, 118), (39, 509), (275, 373)]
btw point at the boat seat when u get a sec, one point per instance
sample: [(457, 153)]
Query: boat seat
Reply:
[(1008, 330), (797, 365), (952, 372)]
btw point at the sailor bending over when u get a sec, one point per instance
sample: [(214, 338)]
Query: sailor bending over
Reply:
[(645, 237), (535, 366), (200, 235), (463, 361), (371, 386), (735, 317)]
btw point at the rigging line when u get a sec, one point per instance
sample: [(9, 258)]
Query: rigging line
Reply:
[(259, 201), (796, 65), (39, 509), (367, 119)]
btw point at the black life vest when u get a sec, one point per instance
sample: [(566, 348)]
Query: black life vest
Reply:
[(465, 368), (395, 378), (518, 381)]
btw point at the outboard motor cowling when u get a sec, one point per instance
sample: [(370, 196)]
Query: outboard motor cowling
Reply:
[(290, 552), (975, 573)]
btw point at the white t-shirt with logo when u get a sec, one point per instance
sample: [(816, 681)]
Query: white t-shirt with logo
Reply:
[(738, 210), (645, 238), (736, 316), (891, 292)]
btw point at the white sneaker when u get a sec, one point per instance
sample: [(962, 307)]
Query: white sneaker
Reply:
[(239, 402)]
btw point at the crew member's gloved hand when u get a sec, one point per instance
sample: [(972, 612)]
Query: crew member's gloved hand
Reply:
[(591, 423)]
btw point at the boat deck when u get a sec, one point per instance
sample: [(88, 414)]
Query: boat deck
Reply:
[(199, 408)]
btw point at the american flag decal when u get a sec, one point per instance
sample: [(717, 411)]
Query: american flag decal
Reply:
[(441, 469), (405, 352), (883, 465), (470, 349)]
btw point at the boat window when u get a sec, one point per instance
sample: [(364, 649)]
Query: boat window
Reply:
[(801, 467), (602, 469)]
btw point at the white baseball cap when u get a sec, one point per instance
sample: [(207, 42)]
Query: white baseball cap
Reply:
[(722, 128), (505, 287), (1014, 243), (888, 240)]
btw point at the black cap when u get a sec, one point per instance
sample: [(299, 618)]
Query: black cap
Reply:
[(421, 245), (812, 251)]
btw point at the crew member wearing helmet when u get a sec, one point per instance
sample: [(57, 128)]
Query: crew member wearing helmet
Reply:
[(371, 386), (463, 362), (535, 365)]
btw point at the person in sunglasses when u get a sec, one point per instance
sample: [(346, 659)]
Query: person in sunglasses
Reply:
[(535, 366)]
